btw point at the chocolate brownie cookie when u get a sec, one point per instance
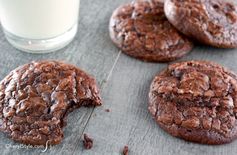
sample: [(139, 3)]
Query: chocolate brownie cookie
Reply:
[(196, 101), (36, 98), (141, 30), (212, 22)]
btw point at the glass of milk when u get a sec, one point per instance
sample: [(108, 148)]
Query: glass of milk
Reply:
[(39, 26)]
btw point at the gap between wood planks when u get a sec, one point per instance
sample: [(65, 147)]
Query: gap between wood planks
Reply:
[(102, 86)]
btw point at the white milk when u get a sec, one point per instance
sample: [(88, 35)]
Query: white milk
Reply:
[(38, 19)]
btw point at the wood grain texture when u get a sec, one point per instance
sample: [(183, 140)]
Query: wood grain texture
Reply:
[(124, 83), (129, 122), (91, 50)]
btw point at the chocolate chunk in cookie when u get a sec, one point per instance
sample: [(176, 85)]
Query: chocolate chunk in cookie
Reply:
[(36, 98), (212, 22), (141, 30), (196, 101)]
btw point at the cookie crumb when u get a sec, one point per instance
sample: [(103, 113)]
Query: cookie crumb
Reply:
[(87, 142), (107, 110), (125, 150)]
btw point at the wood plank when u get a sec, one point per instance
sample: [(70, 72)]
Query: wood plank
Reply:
[(126, 96), (91, 50), (129, 122)]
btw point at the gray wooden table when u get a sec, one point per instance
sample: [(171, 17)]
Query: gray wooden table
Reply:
[(124, 84)]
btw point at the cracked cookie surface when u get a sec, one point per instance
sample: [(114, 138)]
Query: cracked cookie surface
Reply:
[(141, 30), (212, 22), (196, 101), (36, 98)]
